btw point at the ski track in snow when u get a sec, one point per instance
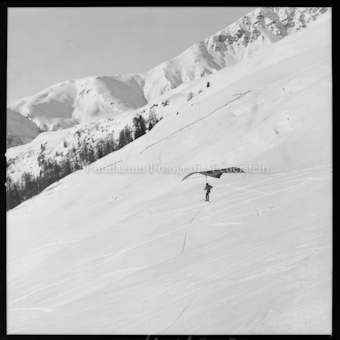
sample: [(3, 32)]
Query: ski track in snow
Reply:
[(185, 239), (185, 128), (183, 311)]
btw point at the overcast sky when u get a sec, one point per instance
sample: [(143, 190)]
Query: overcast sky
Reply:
[(49, 45)]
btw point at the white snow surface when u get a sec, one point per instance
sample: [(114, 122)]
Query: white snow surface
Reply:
[(139, 253)]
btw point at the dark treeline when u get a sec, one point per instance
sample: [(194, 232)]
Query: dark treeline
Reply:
[(76, 158)]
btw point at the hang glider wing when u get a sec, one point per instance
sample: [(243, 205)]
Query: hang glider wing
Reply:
[(191, 173), (216, 173)]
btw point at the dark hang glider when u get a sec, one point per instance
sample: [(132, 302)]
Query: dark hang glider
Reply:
[(216, 173)]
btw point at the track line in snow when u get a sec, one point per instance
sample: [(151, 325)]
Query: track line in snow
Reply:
[(185, 308), (187, 126), (185, 238), (59, 222), (177, 318), (104, 167), (33, 292), (252, 190), (44, 309), (197, 214), (124, 270)]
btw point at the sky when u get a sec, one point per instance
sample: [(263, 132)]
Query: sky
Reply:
[(49, 45)]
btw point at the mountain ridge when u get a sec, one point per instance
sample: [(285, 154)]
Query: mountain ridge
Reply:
[(70, 102)]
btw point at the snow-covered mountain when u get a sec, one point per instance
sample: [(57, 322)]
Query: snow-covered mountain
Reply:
[(20, 130), (264, 26), (68, 103), (125, 247), (71, 102)]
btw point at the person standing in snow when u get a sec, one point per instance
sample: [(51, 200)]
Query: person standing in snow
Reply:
[(208, 188)]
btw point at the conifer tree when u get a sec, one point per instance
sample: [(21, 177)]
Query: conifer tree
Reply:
[(125, 137), (91, 155), (139, 126), (152, 120)]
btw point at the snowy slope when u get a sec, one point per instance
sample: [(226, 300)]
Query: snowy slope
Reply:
[(68, 103), (138, 253), (20, 130)]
